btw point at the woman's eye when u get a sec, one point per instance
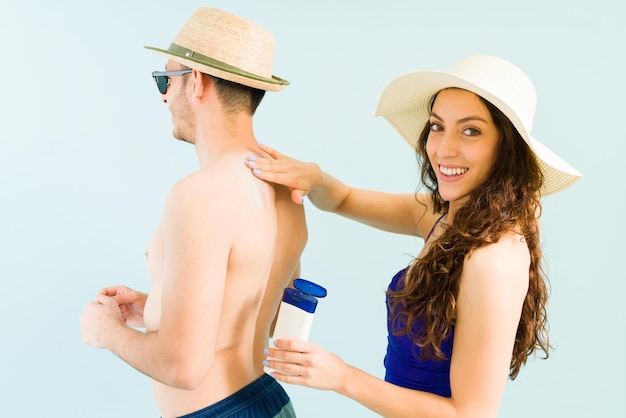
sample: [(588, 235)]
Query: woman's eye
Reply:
[(435, 127), (471, 132)]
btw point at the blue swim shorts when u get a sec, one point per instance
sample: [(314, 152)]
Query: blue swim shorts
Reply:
[(263, 398)]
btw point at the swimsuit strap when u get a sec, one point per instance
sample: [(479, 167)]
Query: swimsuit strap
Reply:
[(434, 225)]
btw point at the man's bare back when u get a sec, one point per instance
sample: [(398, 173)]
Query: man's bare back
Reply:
[(265, 223)]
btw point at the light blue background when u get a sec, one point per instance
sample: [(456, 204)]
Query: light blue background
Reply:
[(87, 156)]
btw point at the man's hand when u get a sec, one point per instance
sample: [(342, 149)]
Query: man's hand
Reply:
[(98, 319), (131, 303)]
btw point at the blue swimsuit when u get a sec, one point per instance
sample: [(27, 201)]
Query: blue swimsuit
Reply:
[(402, 362)]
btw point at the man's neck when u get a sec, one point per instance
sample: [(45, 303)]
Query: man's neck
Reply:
[(217, 136)]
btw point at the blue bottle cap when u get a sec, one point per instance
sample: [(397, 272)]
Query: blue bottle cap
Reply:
[(310, 288), (304, 296)]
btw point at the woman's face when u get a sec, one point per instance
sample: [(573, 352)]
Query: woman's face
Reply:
[(462, 143)]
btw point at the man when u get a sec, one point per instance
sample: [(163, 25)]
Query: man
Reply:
[(228, 243)]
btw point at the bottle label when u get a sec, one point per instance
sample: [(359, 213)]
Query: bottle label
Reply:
[(292, 323)]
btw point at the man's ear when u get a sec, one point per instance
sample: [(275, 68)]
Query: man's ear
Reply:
[(199, 84)]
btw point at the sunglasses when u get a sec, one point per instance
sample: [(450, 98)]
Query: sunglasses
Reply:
[(162, 78)]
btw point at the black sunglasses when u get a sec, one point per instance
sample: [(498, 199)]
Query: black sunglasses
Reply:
[(162, 78)]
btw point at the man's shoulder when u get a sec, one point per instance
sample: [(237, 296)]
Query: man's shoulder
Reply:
[(217, 174), (222, 184)]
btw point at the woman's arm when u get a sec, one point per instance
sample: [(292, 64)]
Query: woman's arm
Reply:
[(493, 285), (304, 363), (400, 213), (492, 289)]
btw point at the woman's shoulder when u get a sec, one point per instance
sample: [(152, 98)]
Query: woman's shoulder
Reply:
[(506, 260), (510, 248)]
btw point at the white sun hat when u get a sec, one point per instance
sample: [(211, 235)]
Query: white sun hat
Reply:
[(406, 103)]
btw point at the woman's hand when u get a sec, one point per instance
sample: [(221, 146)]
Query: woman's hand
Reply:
[(307, 364), (299, 176)]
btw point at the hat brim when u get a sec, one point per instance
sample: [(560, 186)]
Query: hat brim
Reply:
[(220, 69), (405, 104)]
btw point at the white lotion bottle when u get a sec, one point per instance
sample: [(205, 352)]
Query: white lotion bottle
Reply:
[(296, 312)]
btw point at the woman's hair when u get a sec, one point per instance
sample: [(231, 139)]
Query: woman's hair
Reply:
[(425, 306)]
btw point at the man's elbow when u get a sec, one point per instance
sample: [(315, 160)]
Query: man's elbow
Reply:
[(189, 374)]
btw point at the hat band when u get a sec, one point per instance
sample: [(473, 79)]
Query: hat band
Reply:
[(212, 62)]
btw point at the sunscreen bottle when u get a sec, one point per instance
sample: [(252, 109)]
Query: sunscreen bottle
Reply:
[(296, 312)]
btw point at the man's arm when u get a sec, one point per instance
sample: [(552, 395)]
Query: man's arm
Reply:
[(197, 242)]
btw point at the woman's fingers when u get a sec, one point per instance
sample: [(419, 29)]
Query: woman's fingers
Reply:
[(291, 351), (294, 345), (284, 367), (285, 356), (299, 176), (269, 165), (284, 173), (297, 196), (271, 151), (304, 363)]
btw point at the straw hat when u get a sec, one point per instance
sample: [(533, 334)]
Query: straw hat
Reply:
[(223, 45), (406, 104)]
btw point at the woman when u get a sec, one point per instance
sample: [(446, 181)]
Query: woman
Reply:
[(470, 309)]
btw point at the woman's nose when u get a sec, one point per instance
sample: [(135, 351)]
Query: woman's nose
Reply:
[(448, 144)]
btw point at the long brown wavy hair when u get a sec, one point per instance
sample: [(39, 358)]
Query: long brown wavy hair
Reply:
[(424, 307)]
